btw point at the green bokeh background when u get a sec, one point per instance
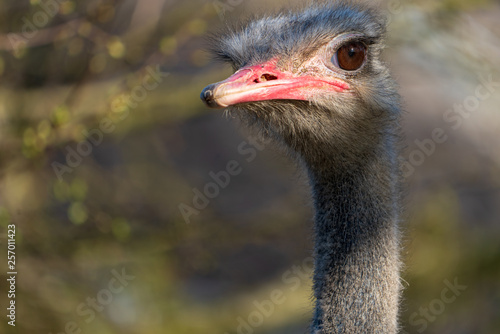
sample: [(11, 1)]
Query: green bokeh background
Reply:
[(119, 207)]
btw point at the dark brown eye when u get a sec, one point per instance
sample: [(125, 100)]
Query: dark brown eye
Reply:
[(350, 56)]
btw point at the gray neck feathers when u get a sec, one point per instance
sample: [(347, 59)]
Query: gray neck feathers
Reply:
[(356, 279)]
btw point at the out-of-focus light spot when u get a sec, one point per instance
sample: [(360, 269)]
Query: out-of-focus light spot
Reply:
[(61, 191), (60, 115), (199, 58), (2, 65), (168, 45), (77, 213), (29, 137), (34, 2), (98, 63), (123, 310), (121, 229), (116, 48), (85, 29), (63, 36), (197, 27), (67, 7), (44, 129), (119, 105), (20, 51), (105, 13), (75, 46), (78, 189)]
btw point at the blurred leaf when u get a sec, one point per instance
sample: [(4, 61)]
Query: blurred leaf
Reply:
[(78, 189), (116, 48), (77, 213), (121, 229)]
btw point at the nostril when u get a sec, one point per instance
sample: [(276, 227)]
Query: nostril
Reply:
[(268, 77)]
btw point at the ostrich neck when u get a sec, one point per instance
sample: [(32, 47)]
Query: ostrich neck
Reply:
[(356, 279)]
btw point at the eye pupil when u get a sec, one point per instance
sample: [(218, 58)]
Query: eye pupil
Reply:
[(351, 56)]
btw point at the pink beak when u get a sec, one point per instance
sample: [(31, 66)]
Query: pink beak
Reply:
[(266, 82)]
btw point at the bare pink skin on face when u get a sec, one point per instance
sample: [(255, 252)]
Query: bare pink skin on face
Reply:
[(266, 82)]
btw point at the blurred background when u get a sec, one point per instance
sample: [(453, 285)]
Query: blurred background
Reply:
[(103, 140)]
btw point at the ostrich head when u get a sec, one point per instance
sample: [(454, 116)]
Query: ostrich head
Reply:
[(312, 80)]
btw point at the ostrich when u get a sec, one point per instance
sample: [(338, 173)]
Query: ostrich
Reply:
[(313, 81)]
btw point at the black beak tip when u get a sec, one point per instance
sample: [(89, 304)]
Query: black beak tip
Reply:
[(207, 96)]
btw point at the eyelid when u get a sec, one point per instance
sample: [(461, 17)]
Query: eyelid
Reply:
[(330, 53), (346, 37)]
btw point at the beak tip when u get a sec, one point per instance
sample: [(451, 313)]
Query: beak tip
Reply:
[(208, 97)]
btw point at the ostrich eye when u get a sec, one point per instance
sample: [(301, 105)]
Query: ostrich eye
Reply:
[(350, 56)]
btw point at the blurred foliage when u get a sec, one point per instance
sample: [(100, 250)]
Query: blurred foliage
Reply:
[(76, 72)]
